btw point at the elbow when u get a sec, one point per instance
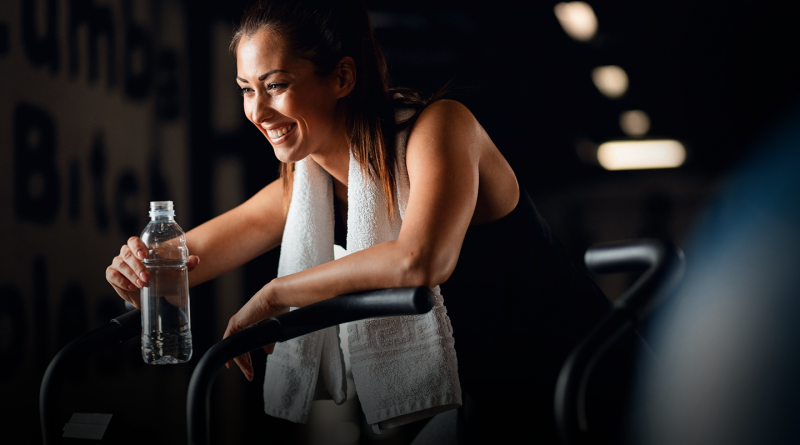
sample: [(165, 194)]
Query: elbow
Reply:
[(420, 269)]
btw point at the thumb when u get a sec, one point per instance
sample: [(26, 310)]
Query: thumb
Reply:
[(192, 262)]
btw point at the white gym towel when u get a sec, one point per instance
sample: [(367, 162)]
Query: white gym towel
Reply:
[(405, 368)]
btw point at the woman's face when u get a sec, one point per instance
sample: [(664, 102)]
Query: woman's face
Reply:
[(293, 107)]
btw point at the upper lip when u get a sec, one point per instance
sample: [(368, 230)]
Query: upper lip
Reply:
[(276, 126)]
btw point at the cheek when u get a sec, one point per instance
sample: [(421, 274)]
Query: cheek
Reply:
[(248, 109)]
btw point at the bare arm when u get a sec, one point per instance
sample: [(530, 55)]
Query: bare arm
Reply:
[(225, 243), (239, 235), (443, 157)]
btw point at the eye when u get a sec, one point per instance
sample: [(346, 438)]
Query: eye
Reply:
[(276, 86), (244, 91)]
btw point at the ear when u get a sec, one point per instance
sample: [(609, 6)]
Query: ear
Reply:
[(345, 76)]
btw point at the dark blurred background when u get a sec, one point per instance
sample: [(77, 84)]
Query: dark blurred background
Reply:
[(106, 105)]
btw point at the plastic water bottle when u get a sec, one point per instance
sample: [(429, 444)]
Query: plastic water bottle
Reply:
[(166, 325)]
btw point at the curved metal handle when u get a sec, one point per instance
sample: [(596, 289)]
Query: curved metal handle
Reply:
[(120, 329), (664, 264), (662, 261), (341, 309)]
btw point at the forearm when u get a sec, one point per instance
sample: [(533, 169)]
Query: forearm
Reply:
[(239, 235), (222, 248), (385, 265)]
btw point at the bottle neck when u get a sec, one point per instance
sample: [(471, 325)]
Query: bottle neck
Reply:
[(162, 218)]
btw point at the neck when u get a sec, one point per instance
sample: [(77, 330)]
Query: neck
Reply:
[(335, 158)]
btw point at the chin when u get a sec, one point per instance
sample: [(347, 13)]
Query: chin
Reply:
[(288, 156)]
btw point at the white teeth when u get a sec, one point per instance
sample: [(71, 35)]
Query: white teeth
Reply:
[(279, 132)]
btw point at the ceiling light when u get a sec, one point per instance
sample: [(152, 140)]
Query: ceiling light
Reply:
[(611, 80), (634, 155), (635, 123), (577, 19)]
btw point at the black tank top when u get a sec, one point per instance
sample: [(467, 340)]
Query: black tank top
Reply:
[(517, 305)]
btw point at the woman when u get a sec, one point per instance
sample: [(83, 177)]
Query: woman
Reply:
[(315, 84)]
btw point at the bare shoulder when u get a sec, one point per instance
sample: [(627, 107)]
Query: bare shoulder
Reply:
[(446, 114), (444, 125)]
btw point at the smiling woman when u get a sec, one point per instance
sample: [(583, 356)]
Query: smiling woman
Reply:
[(425, 198)]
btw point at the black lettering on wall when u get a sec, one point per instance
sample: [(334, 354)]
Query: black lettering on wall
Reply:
[(137, 58), (41, 46), (36, 184), (13, 331), (99, 23), (126, 203), (97, 169), (5, 44), (41, 307), (167, 92), (74, 191), (71, 321)]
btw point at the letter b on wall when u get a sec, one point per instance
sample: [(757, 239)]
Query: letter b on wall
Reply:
[(36, 183)]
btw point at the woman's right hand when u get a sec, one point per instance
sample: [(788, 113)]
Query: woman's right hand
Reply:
[(127, 274)]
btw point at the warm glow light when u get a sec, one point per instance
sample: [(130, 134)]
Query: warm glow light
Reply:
[(577, 19), (611, 80), (635, 123), (634, 155)]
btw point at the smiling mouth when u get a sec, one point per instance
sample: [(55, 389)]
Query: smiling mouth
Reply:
[(281, 132)]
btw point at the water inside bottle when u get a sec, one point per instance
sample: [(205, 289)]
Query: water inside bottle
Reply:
[(166, 327)]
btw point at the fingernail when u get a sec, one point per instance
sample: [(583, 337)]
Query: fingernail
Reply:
[(139, 283), (143, 275), (140, 254), (228, 365)]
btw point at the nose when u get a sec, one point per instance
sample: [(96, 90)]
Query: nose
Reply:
[(260, 109)]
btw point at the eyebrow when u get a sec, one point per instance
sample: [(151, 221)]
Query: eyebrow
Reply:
[(264, 76)]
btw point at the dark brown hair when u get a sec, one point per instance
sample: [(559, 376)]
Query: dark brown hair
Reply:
[(323, 32)]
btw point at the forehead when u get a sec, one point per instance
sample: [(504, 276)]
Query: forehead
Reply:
[(262, 52)]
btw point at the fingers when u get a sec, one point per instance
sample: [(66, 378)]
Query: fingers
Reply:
[(116, 279), (137, 247), (131, 267), (123, 287), (269, 349), (192, 262), (245, 363), (131, 281)]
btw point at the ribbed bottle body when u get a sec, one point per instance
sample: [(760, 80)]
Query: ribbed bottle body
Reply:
[(166, 321)]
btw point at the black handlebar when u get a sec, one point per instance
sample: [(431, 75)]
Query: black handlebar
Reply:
[(120, 329), (664, 264), (341, 309)]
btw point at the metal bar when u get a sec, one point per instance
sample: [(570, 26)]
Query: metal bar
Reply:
[(341, 309), (664, 264), (117, 330)]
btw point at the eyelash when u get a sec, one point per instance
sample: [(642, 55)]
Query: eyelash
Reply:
[(272, 86)]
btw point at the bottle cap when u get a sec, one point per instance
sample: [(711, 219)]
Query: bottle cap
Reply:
[(161, 208)]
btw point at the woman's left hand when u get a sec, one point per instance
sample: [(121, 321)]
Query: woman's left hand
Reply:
[(257, 310)]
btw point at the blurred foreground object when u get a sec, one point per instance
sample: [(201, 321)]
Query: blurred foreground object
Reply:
[(729, 342)]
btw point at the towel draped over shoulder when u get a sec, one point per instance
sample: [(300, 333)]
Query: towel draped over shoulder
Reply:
[(405, 368)]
